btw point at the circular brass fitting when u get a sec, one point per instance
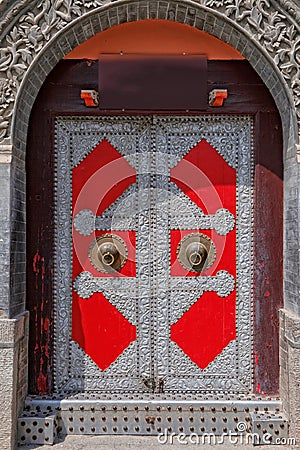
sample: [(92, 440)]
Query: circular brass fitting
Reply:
[(196, 252), (108, 253)]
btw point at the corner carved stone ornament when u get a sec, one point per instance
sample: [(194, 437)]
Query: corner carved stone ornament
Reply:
[(292, 329), (26, 28)]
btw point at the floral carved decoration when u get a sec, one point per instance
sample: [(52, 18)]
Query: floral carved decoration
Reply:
[(272, 24)]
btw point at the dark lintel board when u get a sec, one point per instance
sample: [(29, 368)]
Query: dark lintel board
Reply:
[(158, 82)]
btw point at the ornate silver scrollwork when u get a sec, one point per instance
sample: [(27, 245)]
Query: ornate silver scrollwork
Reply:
[(86, 285), (84, 222), (222, 283), (223, 221), (155, 205)]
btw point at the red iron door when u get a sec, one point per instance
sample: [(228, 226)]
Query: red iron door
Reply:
[(154, 247)]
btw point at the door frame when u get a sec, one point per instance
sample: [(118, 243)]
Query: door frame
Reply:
[(40, 235)]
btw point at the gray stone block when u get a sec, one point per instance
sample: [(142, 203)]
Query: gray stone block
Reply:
[(217, 31), (199, 22), (143, 11), (171, 14), (210, 19), (208, 28), (181, 14), (94, 19), (72, 40), (225, 35), (78, 31), (122, 14), (132, 12), (12, 333), (290, 369), (113, 17), (162, 10), (87, 28), (104, 20)]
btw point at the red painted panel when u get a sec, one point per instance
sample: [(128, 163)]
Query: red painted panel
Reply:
[(100, 329), (205, 177), (97, 326), (206, 328), (100, 179)]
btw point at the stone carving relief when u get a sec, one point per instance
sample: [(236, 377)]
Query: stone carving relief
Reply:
[(273, 25)]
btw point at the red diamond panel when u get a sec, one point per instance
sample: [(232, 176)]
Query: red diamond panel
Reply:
[(206, 178), (100, 179), (100, 329), (206, 328)]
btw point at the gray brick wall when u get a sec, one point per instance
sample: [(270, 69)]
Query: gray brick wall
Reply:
[(18, 239), (291, 235), (5, 220)]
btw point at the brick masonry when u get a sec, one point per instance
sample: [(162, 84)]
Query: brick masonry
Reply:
[(290, 369), (13, 375), (5, 175)]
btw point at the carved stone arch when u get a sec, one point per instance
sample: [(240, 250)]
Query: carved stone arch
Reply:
[(264, 33)]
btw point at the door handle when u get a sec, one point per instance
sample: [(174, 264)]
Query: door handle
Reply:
[(196, 252), (108, 253)]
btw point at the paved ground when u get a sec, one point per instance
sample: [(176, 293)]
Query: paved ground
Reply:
[(144, 443)]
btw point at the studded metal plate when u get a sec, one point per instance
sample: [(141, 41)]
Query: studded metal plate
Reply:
[(37, 427), (150, 416), (155, 299), (270, 427)]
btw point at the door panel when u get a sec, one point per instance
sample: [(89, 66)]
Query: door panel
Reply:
[(161, 192)]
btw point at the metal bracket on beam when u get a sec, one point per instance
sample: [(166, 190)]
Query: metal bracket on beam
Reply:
[(217, 97), (90, 97)]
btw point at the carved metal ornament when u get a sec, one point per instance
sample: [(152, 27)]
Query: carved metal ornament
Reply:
[(196, 252), (26, 30), (147, 142), (108, 253)]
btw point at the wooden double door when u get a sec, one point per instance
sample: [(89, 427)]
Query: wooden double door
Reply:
[(153, 254), (120, 210)]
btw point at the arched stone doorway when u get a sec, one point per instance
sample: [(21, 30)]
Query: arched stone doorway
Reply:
[(201, 17), (90, 366)]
